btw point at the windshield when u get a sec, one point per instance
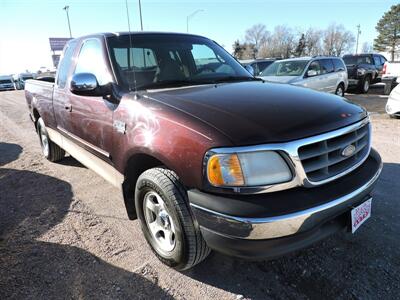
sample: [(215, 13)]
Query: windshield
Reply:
[(5, 81), (285, 68), (357, 60), (158, 60)]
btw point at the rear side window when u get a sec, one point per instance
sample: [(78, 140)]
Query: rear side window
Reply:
[(377, 60), (338, 64), (64, 65), (326, 66)]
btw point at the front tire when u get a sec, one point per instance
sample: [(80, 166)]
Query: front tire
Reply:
[(166, 220), (365, 84), (340, 90), (50, 150)]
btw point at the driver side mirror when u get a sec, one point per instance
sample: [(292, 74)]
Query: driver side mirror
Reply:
[(311, 73), (85, 84), (250, 69)]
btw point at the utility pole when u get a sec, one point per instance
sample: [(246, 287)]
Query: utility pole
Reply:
[(66, 8), (140, 12), (358, 35), (191, 16)]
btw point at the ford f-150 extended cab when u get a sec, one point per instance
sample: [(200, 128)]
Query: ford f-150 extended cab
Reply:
[(206, 156)]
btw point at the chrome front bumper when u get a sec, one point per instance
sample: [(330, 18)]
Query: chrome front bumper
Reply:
[(286, 224)]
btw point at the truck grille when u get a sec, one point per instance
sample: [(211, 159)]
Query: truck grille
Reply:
[(328, 158)]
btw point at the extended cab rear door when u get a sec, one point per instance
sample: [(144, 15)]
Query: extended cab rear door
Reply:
[(61, 102), (91, 117)]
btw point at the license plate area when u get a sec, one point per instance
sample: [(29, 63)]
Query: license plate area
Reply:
[(360, 214)]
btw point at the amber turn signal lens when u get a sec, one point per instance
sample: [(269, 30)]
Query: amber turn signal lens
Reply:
[(225, 170)]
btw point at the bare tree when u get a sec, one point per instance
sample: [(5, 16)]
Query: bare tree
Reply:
[(367, 47), (313, 41), (337, 40), (256, 35), (281, 43)]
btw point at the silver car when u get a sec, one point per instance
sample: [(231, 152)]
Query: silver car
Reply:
[(321, 73)]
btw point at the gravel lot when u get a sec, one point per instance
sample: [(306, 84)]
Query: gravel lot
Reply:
[(64, 234)]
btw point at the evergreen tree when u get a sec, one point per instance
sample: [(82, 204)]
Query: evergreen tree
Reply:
[(388, 29), (300, 46)]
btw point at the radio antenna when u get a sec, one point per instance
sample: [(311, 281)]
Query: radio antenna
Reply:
[(130, 50)]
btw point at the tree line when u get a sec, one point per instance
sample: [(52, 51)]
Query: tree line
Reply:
[(284, 42)]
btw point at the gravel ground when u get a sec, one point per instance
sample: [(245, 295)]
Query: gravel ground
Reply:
[(64, 234)]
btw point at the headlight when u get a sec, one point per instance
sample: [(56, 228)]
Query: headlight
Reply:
[(247, 169), (360, 71)]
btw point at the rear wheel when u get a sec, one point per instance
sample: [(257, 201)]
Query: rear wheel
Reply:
[(50, 150), (340, 90), (166, 220)]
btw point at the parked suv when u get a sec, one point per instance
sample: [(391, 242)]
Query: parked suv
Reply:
[(324, 74), (364, 70), (6, 83), (258, 65), (19, 80)]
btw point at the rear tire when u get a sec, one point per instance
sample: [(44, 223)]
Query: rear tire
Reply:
[(187, 247), (340, 90), (50, 150)]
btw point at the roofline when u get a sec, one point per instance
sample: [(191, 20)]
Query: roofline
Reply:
[(121, 33)]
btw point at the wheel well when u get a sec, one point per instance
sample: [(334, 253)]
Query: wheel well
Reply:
[(135, 166), (36, 116)]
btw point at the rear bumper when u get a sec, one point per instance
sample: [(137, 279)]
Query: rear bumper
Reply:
[(272, 224)]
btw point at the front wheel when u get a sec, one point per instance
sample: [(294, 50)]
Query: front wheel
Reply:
[(50, 150), (340, 90), (365, 84), (167, 223)]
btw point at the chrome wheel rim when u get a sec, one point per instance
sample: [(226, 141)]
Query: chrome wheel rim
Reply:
[(159, 222), (44, 141)]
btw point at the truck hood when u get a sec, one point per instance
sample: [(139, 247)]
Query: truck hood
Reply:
[(280, 79), (256, 112)]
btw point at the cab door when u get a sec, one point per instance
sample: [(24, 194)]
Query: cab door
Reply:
[(91, 117)]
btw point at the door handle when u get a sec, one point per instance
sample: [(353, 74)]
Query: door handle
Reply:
[(68, 107)]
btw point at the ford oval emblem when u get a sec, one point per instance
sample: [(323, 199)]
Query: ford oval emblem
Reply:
[(348, 151)]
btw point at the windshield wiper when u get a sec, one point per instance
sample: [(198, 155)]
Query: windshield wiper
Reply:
[(168, 83)]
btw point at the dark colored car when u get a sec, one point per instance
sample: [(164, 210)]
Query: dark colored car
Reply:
[(206, 155), (258, 65), (364, 70)]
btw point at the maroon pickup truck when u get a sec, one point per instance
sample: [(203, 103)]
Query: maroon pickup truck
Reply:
[(207, 156)]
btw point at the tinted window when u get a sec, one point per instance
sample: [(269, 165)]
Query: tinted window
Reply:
[(263, 65), (338, 64), (377, 60), (383, 59), (326, 66), (357, 60), (91, 60), (64, 64)]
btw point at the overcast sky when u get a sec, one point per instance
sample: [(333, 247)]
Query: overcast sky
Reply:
[(27, 24)]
